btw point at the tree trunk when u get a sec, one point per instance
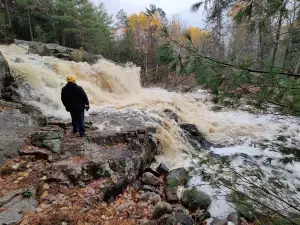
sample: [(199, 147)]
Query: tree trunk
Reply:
[(280, 20), (29, 22), (7, 12)]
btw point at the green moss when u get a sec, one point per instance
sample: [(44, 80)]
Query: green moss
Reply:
[(27, 194), (172, 184), (5, 171)]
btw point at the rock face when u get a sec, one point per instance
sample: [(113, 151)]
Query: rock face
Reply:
[(15, 204), (58, 51), (194, 199), (117, 159), (6, 80), (14, 125)]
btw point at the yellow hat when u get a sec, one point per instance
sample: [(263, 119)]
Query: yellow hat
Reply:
[(71, 78)]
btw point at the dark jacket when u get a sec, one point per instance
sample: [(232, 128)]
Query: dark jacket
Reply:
[(74, 98)]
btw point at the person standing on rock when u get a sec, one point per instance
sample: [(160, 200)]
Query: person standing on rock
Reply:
[(76, 101)]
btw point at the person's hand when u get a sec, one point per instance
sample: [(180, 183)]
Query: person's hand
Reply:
[(87, 107)]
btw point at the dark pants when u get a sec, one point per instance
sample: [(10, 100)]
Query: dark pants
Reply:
[(78, 122)]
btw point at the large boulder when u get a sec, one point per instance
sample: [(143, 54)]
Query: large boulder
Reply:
[(177, 177), (15, 203), (162, 169), (149, 178), (160, 209), (184, 219), (194, 199)]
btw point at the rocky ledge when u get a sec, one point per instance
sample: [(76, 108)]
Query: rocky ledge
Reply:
[(113, 160), (58, 51)]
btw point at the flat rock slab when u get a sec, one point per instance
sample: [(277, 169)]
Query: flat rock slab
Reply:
[(14, 204)]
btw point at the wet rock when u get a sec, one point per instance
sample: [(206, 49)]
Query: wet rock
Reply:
[(177, 177), (216, 108), (196, 137), (219, 222), (15, 203), (171, 115), (147, 196), (150, 170), (137, 185), (152, 130), (161, 209), (168, 220), (36, 152), (171, 194), (162, 169), (194, 199), (149, 178), (184, 219), (5, 77), (234, 218)]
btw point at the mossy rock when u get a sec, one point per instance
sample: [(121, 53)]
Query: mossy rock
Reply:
[(177, 177), (194, 199)]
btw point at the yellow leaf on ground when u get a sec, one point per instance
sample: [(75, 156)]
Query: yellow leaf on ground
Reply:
[(16, 166), (44, 178), (26, 174), (45, 194)]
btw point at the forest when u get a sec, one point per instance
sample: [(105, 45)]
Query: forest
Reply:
[(248, 48)]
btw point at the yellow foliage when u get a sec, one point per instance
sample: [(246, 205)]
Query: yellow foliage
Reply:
[(140, 22), (198, 35)]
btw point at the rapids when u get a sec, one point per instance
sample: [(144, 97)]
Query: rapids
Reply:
[(118, 101)]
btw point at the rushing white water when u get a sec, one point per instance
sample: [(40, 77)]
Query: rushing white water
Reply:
[(116, 95)]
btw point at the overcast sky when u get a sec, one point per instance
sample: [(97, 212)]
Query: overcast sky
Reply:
[(171, 7)]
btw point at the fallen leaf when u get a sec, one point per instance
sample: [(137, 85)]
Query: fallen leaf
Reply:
[(44, 178), (16, 166), (26, 174), (45, 194)]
